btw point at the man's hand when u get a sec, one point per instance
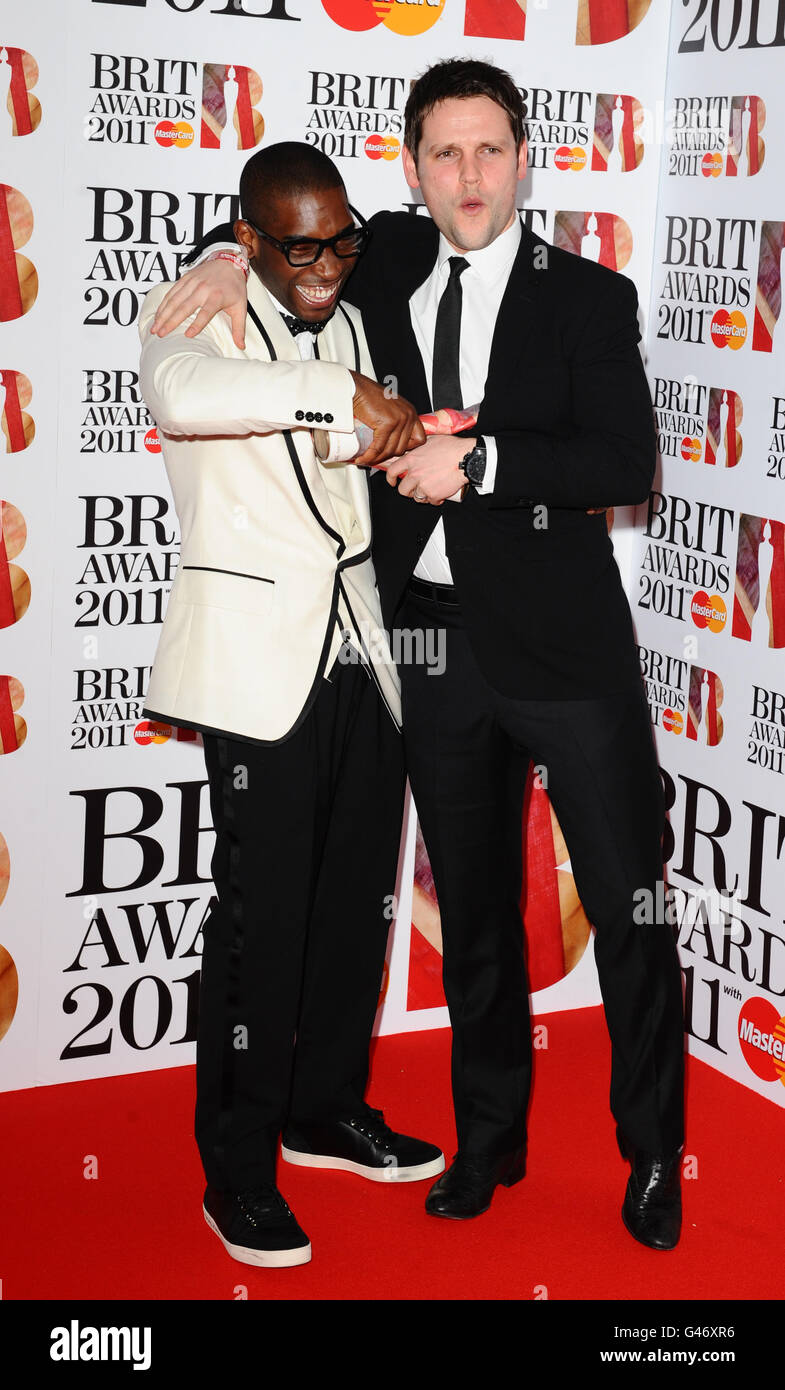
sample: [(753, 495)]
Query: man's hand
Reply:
[(210, 287), (395, 423), (431, 473)]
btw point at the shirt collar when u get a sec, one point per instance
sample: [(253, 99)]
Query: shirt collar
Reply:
[(490, 261)]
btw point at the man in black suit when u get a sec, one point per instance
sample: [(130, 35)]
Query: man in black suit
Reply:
[(515, 565)]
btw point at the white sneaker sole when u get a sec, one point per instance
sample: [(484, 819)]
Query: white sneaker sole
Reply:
[(389, 1173), (268, 1259)]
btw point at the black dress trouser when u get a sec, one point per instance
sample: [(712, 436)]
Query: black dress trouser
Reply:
[(467, 752), (307, 840)]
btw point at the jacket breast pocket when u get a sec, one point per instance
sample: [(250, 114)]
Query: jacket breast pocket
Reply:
[(218, 588)]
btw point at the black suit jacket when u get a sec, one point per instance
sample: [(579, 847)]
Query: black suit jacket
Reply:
[(568, 403)]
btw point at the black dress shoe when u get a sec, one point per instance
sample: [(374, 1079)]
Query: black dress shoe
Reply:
[(364, 1145), (652, 1202), (257, 1227), (467, 1187)]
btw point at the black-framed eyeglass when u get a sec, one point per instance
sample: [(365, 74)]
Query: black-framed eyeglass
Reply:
[(306, 250)]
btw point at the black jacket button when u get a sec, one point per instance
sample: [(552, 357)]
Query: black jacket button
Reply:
[(328, 419), (309, 416), (318, 417)]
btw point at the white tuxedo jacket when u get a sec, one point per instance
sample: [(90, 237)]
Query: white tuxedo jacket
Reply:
[(275, 546)]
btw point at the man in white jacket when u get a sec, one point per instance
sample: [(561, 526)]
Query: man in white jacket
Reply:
[(272, 646)]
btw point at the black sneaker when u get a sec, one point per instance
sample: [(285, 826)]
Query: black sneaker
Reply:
[(257, 1227), (365, 1145)]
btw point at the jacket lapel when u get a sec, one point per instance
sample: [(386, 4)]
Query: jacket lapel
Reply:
[(393, 345), (515, 337), (268, 337), (346, 484), (274, 328)]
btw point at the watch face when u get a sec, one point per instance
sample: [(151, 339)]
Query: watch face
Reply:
[(475, 464)]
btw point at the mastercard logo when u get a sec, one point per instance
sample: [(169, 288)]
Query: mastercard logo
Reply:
[(761, 1033), (690, 450), (711, 165), (174, 134), (400, 16), (572, 158), (382, 147), (729, 330), (672, 721), (708, 611), (149, 731), (151, 441)]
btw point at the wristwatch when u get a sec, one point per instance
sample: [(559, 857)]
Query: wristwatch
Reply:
[(473, 463)]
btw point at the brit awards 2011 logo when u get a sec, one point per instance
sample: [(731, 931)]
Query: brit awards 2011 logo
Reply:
[(570, 129), (146, 101), (683, 698), (595, 236), (408, 17), (766, 733), (139, 237), (356, 113), (707, 284), (116, 420), (685, 566), (698, 422), (707, 289), (20, 109), (715, 135), (17, 427)]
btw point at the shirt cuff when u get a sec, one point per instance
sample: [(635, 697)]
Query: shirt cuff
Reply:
[(491, 459)]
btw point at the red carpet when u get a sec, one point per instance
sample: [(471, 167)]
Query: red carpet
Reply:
[(135, 1231)]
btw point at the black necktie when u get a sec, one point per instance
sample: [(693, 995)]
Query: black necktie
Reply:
[(447, 341), (296, 326)]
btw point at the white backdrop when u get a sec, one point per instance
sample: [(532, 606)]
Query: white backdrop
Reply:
[(116, 155)]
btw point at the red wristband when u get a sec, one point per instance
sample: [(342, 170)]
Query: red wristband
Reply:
[(232, 256)]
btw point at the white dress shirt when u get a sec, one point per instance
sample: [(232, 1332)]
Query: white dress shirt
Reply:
[(483, 284)]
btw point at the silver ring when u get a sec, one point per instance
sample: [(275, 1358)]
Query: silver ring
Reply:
[(419, 496)]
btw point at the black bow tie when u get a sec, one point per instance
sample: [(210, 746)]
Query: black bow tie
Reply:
[(296, 326)]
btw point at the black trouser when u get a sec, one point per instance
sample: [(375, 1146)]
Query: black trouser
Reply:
[(304, 868), (467, 752)]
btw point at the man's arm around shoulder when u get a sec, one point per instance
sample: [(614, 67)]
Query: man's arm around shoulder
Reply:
[(207, 386)]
